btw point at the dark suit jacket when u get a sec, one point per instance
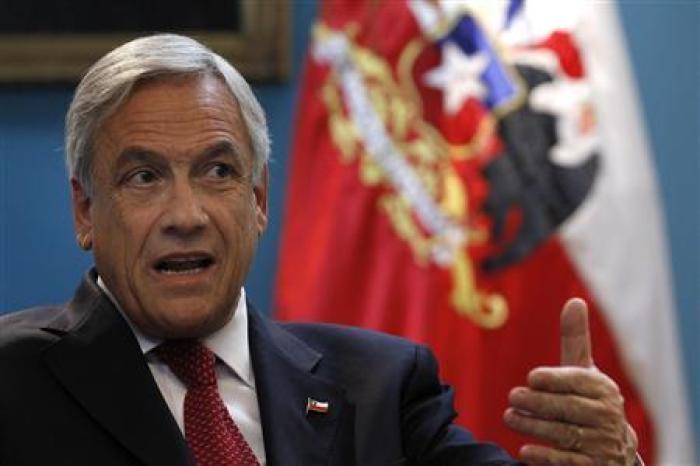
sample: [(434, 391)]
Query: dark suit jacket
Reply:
[(76, 390)]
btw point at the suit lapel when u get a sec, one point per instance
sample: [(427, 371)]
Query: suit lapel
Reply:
[(284, 382), (99, 362)]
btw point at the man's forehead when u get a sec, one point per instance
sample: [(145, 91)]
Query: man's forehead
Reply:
[(179, 104), (177, 115), (209, 90)]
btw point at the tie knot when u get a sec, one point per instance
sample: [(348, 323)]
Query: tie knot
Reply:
[(191, 361)]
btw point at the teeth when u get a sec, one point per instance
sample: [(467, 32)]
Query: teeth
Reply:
[(182, 272), (183, 266)]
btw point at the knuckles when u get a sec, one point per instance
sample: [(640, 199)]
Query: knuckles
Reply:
[(551, 457), (616, 445), (608, 440)]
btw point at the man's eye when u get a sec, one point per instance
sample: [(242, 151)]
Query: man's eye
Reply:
[(142, 178), (220, 171)]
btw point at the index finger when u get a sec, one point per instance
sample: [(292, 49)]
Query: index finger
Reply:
[(582, 381), (575, 334)]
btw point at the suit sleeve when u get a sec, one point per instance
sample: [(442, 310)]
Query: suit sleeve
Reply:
[(428, 433)]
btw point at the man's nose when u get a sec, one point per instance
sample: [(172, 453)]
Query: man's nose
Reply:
[(184, 213)]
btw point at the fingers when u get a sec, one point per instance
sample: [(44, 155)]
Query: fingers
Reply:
[(576, 380), (575, 334), (569, 395), (559, 434), (538, 455), (575, 408), (612, 442), (557, 407)]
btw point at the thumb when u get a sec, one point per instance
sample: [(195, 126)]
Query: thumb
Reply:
[(575, 334)]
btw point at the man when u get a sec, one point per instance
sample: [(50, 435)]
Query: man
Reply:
[(159, 359)]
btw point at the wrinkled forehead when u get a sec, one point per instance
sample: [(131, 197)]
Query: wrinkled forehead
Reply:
[(211, 77), (171, 91), (181, 109), (211, 89)]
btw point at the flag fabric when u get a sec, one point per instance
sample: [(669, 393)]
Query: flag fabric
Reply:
[(460, 169)]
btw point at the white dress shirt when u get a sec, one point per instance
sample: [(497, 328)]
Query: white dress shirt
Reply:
[(234, 373)]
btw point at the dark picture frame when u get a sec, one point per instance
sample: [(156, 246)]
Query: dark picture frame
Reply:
[(256, 40)]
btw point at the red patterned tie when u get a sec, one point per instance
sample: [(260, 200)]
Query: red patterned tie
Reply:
[(211, 434)]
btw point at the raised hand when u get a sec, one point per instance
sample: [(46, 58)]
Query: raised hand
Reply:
[(575, 409)]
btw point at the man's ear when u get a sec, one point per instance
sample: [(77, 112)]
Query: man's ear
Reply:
[(261, 189), (82, 219)]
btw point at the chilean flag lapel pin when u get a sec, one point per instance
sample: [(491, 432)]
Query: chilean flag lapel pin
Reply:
[(316, 406)]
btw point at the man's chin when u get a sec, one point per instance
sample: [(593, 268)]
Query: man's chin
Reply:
[(188, 320)]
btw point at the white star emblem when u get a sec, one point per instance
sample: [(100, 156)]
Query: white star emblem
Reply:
[(459, 76)]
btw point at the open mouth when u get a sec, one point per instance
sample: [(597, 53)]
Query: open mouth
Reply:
[(184, 265)]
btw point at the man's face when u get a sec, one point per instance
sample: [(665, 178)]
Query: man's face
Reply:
[(174, 215)]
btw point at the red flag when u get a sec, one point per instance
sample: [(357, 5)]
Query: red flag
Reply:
[(449, 169)]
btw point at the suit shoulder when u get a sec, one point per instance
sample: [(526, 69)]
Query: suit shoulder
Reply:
[(26, 325), (344, 332), (323, 336), (31, 317)]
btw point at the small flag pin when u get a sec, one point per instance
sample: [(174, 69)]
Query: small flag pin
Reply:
[(316, 406)]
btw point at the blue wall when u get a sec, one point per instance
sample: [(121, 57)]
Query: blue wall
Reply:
[(36, 235)]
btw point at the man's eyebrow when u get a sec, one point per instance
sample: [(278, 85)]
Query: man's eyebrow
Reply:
[(137, 154), (220, 148)]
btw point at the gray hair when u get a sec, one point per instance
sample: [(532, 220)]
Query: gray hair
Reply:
[(111, 80)]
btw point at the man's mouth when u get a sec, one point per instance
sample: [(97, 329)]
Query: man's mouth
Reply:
[(184, 264)]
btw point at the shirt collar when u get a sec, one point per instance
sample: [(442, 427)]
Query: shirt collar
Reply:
[(229, 343)]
